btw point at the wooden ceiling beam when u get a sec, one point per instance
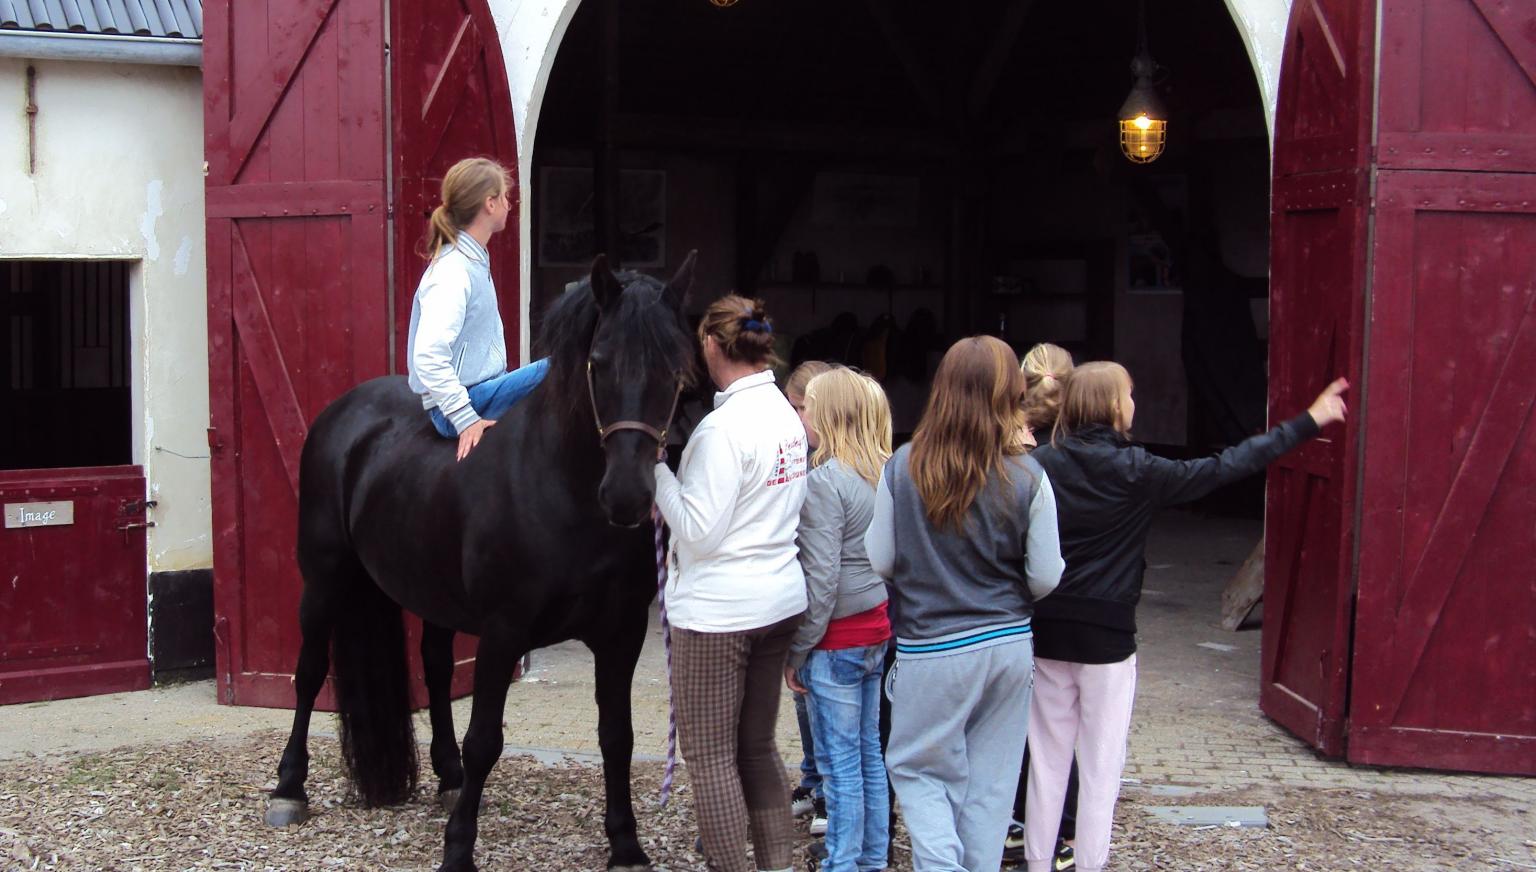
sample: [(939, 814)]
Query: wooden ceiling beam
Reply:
[(990, 71)]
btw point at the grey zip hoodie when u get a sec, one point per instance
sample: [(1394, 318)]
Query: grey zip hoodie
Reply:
[(456, 339)]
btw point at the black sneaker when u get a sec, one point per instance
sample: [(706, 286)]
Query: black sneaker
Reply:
[(819, 817), (1013, 845), (1065, 859), (801, 803)]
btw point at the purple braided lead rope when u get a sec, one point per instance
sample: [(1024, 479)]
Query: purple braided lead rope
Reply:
[(666, 638)]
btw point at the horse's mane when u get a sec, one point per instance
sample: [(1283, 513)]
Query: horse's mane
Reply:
[(654, 339)]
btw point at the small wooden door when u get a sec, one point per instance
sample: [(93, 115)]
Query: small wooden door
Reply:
[(73, 603), (1445, 655), (1318, 252)]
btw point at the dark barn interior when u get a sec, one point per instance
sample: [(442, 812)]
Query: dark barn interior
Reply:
[(892, 176)]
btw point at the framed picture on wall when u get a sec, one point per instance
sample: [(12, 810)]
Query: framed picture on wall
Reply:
[(566, 235)]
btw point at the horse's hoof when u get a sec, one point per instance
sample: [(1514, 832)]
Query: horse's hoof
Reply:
[(286, 812), (641, 867), (449, 799)]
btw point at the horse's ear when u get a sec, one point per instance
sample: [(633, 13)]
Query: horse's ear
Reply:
[(605, 285), (676, 292)]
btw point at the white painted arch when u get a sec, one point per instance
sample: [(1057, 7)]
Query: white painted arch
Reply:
[(531, 31)]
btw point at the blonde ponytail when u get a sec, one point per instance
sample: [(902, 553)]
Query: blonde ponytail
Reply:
[(466, 186)]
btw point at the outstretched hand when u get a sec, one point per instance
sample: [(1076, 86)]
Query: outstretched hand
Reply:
[(471, 436), (1329, 405)]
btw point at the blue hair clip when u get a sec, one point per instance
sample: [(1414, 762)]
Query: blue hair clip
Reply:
[(755, 326)]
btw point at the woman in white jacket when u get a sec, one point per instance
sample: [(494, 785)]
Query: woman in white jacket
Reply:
[(735, 593)]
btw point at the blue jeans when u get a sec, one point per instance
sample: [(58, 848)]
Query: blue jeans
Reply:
[(493, 397), (844, 690), (809, 779)]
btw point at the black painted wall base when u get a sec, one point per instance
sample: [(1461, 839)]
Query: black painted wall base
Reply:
[(181, 625)]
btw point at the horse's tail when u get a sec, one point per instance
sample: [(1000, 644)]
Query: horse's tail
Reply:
[(378, 740)]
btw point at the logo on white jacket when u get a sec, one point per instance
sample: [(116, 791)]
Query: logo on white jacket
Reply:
[(790, 463)]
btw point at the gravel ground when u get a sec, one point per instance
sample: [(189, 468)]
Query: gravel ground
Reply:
[(198, 805)]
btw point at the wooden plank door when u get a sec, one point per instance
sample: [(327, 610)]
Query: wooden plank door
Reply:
[(73, 610), (1318, 256), (1445, 664), (298, 290), (450, 101)]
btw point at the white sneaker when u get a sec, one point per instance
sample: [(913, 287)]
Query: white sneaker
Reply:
[(801, 803), (819, 818)]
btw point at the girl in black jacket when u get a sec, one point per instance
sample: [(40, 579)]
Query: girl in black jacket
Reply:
[(1107, 489)]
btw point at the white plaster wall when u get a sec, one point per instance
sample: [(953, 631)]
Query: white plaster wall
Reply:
[(530, 32), (1261, 23), (119, 175)]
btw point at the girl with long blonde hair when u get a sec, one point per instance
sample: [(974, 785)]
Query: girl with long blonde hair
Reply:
[(965, 529), (838, 654), (456, 345), (1108, 489)]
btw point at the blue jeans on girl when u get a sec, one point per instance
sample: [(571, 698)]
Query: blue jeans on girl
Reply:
[(493, 397), (844, 704)]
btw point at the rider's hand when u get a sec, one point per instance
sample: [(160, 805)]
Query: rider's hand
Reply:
[(1329, 405), (471, 436), (793, 681)]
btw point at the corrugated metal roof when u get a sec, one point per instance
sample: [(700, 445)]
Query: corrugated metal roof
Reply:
[(173, 18)]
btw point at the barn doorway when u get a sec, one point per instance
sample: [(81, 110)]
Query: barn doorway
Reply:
[(64, 364), (889, 180), (75, 512)]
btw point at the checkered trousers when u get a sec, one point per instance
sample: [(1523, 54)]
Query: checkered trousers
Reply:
[(726, 687)]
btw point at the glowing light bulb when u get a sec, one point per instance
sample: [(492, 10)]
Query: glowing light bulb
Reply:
[(1143, 122)]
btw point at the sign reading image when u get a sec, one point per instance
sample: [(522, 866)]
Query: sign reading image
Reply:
[(57, 514)]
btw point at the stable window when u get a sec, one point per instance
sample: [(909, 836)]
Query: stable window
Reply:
[(65, 383)]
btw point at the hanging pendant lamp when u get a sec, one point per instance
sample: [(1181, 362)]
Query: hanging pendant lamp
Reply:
[(1143, 120)]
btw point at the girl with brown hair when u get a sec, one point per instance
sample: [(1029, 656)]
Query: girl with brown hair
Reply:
[(735, 592), (1108, 489), (456, 345), (965, 530)]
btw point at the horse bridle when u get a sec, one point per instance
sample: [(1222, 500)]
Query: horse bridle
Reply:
[(606, 430)]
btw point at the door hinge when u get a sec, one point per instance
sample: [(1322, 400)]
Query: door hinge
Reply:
[(214, 442)]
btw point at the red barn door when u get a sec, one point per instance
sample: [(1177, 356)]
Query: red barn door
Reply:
[(297, 117), (1445, 663), (298, 290), (450, 101), (1318, 225)]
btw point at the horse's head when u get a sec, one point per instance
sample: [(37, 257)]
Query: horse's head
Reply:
[(624, 354)]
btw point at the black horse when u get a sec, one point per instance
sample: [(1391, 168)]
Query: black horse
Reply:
[(541, 535)]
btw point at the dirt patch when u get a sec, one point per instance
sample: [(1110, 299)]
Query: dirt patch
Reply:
[(198, 805)]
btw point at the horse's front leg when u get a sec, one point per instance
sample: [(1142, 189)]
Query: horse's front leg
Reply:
[(437, 661), (614, 655), (500, 647), (288, 803)]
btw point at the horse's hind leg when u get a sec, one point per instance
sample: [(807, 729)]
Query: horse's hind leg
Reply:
[(437, 659), (289, 804), (614, 658)]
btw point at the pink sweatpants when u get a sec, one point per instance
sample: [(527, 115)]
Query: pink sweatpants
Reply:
[(1086, 708)]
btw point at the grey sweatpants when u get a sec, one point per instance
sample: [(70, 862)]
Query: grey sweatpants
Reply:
[(957, 740)]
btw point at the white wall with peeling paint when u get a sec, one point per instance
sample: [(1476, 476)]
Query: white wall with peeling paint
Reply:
[(531, 31), (119, 176)]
